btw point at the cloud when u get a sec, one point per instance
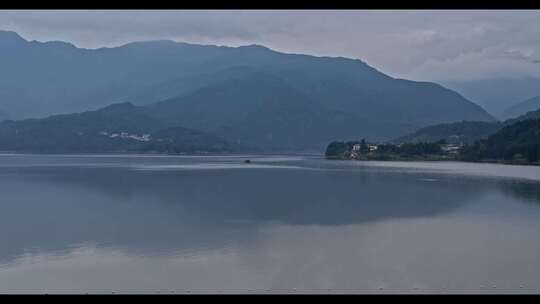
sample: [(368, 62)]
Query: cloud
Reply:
[(427, 45)]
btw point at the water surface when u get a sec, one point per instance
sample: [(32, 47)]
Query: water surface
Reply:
[(128, 223)]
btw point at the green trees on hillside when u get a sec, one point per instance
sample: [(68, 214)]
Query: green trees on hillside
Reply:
[(421, 148), (517, 142), (339, 149)]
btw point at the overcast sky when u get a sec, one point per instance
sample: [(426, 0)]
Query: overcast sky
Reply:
[(419, 45)]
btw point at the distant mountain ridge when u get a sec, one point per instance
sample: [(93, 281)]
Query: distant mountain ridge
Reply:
[(496, 95), (249, 95), (523, 107), (526, 116), (465, 132)]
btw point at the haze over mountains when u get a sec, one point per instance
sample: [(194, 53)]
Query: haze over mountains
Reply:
[(531, 104), (249, 95), (464, 132), (499, 95)]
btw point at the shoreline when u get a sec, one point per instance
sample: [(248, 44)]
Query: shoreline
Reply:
[(433, 158), (500, 162)]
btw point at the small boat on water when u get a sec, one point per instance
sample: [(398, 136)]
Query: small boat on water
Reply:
[(247, 161)]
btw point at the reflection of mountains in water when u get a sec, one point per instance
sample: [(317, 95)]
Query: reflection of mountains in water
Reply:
[(181, 210), (528, 191), (300, 197)]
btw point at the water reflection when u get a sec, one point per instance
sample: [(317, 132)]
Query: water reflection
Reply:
[(292, 222), (528, 191), (163, 211)]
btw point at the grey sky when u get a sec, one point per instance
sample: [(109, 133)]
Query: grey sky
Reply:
[(420, 45)]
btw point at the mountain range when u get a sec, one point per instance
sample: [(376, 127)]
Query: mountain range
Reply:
[(523, 107), (498, 95), (249, 96), (527, 116), (466, 132)]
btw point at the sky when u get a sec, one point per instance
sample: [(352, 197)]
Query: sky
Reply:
[(420, 45)]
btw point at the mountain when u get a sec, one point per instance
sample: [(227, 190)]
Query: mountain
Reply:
[(526, 116), (116, 128), (458, 132), (249, 95), (462, 132), (523, 107), (286, 110), (518, 142), (497, 94), (64, 78)]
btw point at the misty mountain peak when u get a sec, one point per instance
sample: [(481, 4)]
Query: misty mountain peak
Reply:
[(156, 43), (58, 44), (121, 106), (254, 47), (10, 38)]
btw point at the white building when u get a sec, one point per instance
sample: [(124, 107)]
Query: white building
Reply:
[(450, 148)]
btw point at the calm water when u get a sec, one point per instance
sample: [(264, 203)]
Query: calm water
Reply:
[(280, 224)]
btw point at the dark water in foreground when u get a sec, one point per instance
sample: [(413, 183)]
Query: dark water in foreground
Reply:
[(280, 224)]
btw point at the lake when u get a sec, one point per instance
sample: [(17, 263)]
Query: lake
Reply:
[(294, 224)]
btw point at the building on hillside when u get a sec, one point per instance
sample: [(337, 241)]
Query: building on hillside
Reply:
[(450, 148)]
